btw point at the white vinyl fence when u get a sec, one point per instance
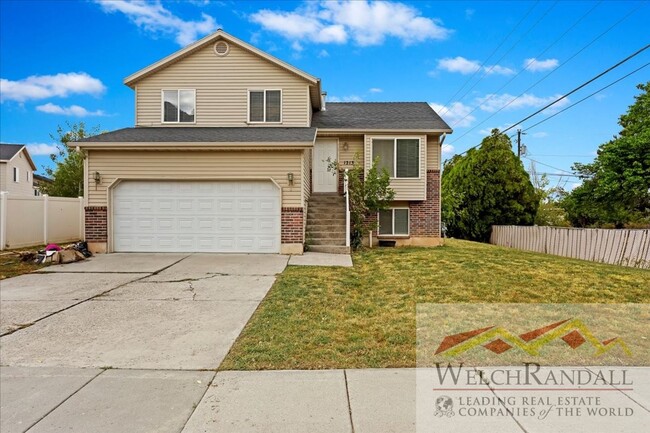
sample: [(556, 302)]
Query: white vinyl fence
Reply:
[(625, 247), (26, 221)]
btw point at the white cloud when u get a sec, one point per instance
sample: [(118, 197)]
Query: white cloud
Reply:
[(540, 134), (535, 65), (364, 22), (493, 102), (488, 131), (454, 113), (469, 14), (296, 46), (459, 64), (153, 17), (350, 98), (447, 149), (465, 66), (323, 53), (375, 90), (499, 70), (38, 149), (73, 110), (47, 86)]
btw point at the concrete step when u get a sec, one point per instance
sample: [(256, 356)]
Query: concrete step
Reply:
[(326, 241), (326, 234), (325, 228), (320, 208), (331, 249)]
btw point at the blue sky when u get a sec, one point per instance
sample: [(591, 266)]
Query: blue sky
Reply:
[(64, 61)]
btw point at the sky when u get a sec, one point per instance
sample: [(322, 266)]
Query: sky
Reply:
[(481, 65)]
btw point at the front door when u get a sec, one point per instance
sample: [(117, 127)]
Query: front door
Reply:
[(324, 153)]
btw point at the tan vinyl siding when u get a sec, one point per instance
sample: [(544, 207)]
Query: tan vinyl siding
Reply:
[(433, 152), (195, 165), (23, 187), (405, 189), (306, 175), (222, 85)]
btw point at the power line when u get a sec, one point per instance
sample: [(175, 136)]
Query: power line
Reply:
[(491, 96), (587, 97), (503, 41), (503, 56), (569, 93), (551, 72), (611, 68), (549, 166)]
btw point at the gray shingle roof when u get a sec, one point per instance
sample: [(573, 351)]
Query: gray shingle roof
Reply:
[(7, 151), (201, 134), (379, 115)]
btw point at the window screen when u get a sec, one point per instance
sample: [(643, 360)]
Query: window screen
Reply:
[(170, 108), (408, 157), (273, 103), (401, 218), (256, 107)]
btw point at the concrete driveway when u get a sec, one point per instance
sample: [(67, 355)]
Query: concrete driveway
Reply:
[(134, 333)]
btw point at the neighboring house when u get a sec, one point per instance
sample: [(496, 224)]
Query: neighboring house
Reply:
[(230, 153), (16, 170), (39, 181)]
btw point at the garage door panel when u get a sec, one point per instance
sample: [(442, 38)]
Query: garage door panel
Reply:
[(207, 216)]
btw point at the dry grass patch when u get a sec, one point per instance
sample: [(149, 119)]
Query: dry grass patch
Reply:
[(364, 317)]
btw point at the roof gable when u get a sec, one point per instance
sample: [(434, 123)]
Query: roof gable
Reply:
[(132, 79), (380, 116), (9, 152)]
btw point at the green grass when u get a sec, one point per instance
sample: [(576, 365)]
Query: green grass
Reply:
[(317, 318), (11, 266)]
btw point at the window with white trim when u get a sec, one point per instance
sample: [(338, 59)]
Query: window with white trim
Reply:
[(179, 106), (16, 175), (265, 106), (394, 222), (399, 156)]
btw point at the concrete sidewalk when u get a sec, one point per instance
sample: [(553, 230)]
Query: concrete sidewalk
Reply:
[(359, 401)]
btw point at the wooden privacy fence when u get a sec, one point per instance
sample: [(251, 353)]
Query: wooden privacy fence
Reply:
[(618, 247), (26, 221)]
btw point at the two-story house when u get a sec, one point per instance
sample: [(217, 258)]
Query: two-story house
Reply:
[(16, 170), (230, 153)]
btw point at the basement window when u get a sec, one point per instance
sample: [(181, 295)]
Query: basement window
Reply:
[(394, 222)]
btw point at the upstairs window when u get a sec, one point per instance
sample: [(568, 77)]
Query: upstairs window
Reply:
[(179, 106), (399, 156), (16, 175), (265, 106)]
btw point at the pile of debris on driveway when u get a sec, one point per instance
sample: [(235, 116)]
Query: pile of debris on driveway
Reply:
[(55, 254)]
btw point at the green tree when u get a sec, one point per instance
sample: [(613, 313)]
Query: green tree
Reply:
[(549, 212), (68, 172), (616, 189), (367, 196), (487, 186)]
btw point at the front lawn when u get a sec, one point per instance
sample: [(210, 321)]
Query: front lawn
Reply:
[(318, 318)]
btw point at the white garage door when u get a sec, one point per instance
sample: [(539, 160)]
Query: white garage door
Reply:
[(184, 216)]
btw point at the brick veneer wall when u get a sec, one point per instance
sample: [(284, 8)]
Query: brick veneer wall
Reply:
[(425, 215), (292, 225), (96, 223)]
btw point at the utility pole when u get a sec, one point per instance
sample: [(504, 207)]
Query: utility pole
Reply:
[(521, 149)]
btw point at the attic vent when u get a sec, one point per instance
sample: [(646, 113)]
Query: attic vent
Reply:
[(221, 48)]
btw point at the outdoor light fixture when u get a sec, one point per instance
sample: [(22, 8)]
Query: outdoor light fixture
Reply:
[(290, 178), (97, 177), (345, 146)]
